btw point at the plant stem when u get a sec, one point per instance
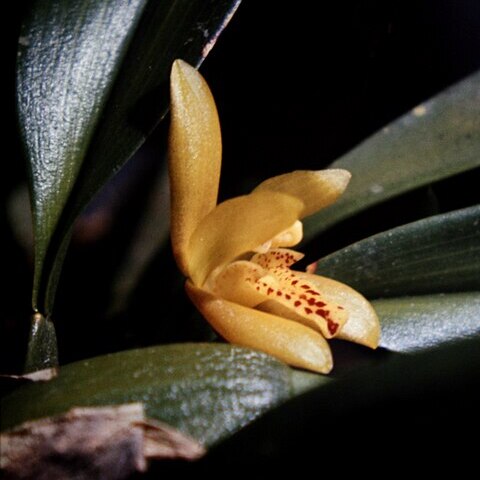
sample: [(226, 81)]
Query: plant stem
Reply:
[(42, 345)]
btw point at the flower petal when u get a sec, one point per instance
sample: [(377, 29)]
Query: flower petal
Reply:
[(195, 152), (362, 325), (289, 237), (288, 341), (236, 283), (238, 226), (316, 189)]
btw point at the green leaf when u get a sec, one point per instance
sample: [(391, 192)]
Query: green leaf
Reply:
[(434, 255), (205, 390), (437, 139), (68, 57), (393, 411), (92, 83), (424, 321)]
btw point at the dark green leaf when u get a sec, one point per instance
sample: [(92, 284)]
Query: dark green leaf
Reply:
[(434, 255), (69, 54), (411, 408), (435, 140), (205, 390), (92, 83), (423, 321)]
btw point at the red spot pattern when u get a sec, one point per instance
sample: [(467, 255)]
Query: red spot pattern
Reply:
[(332, 326), (303, 298), (281, 257)]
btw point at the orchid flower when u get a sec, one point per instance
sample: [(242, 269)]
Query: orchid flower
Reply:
[(235, 254)]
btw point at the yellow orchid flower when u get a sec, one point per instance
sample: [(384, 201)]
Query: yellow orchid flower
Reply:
[(235, 254)]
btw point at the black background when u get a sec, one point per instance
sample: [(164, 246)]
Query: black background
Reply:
[(300, 83)]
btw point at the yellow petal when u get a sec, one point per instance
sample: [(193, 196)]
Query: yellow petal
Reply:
[(289, 237), (316, 189), (288, 341), (362, 325), (238, 226), (236, 283), (195, 151)]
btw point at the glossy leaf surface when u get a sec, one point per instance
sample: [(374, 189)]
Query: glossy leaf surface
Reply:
[(438, 254), (205, 390), (424, 321)]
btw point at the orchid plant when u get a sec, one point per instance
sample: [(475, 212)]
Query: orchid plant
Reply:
[(90, 89), (235, 253)]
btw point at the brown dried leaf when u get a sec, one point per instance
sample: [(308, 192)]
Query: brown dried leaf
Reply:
[(109, 443), (163, 441), (10, 382), (44, 375)]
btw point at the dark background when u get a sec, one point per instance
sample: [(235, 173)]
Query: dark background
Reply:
[(297, 84)]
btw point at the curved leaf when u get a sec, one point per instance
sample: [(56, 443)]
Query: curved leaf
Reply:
[(63, 81), (391, 412), (437, 139), (87, 72), (424, 321), (439, 254), (205, 390), (434, 255)]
